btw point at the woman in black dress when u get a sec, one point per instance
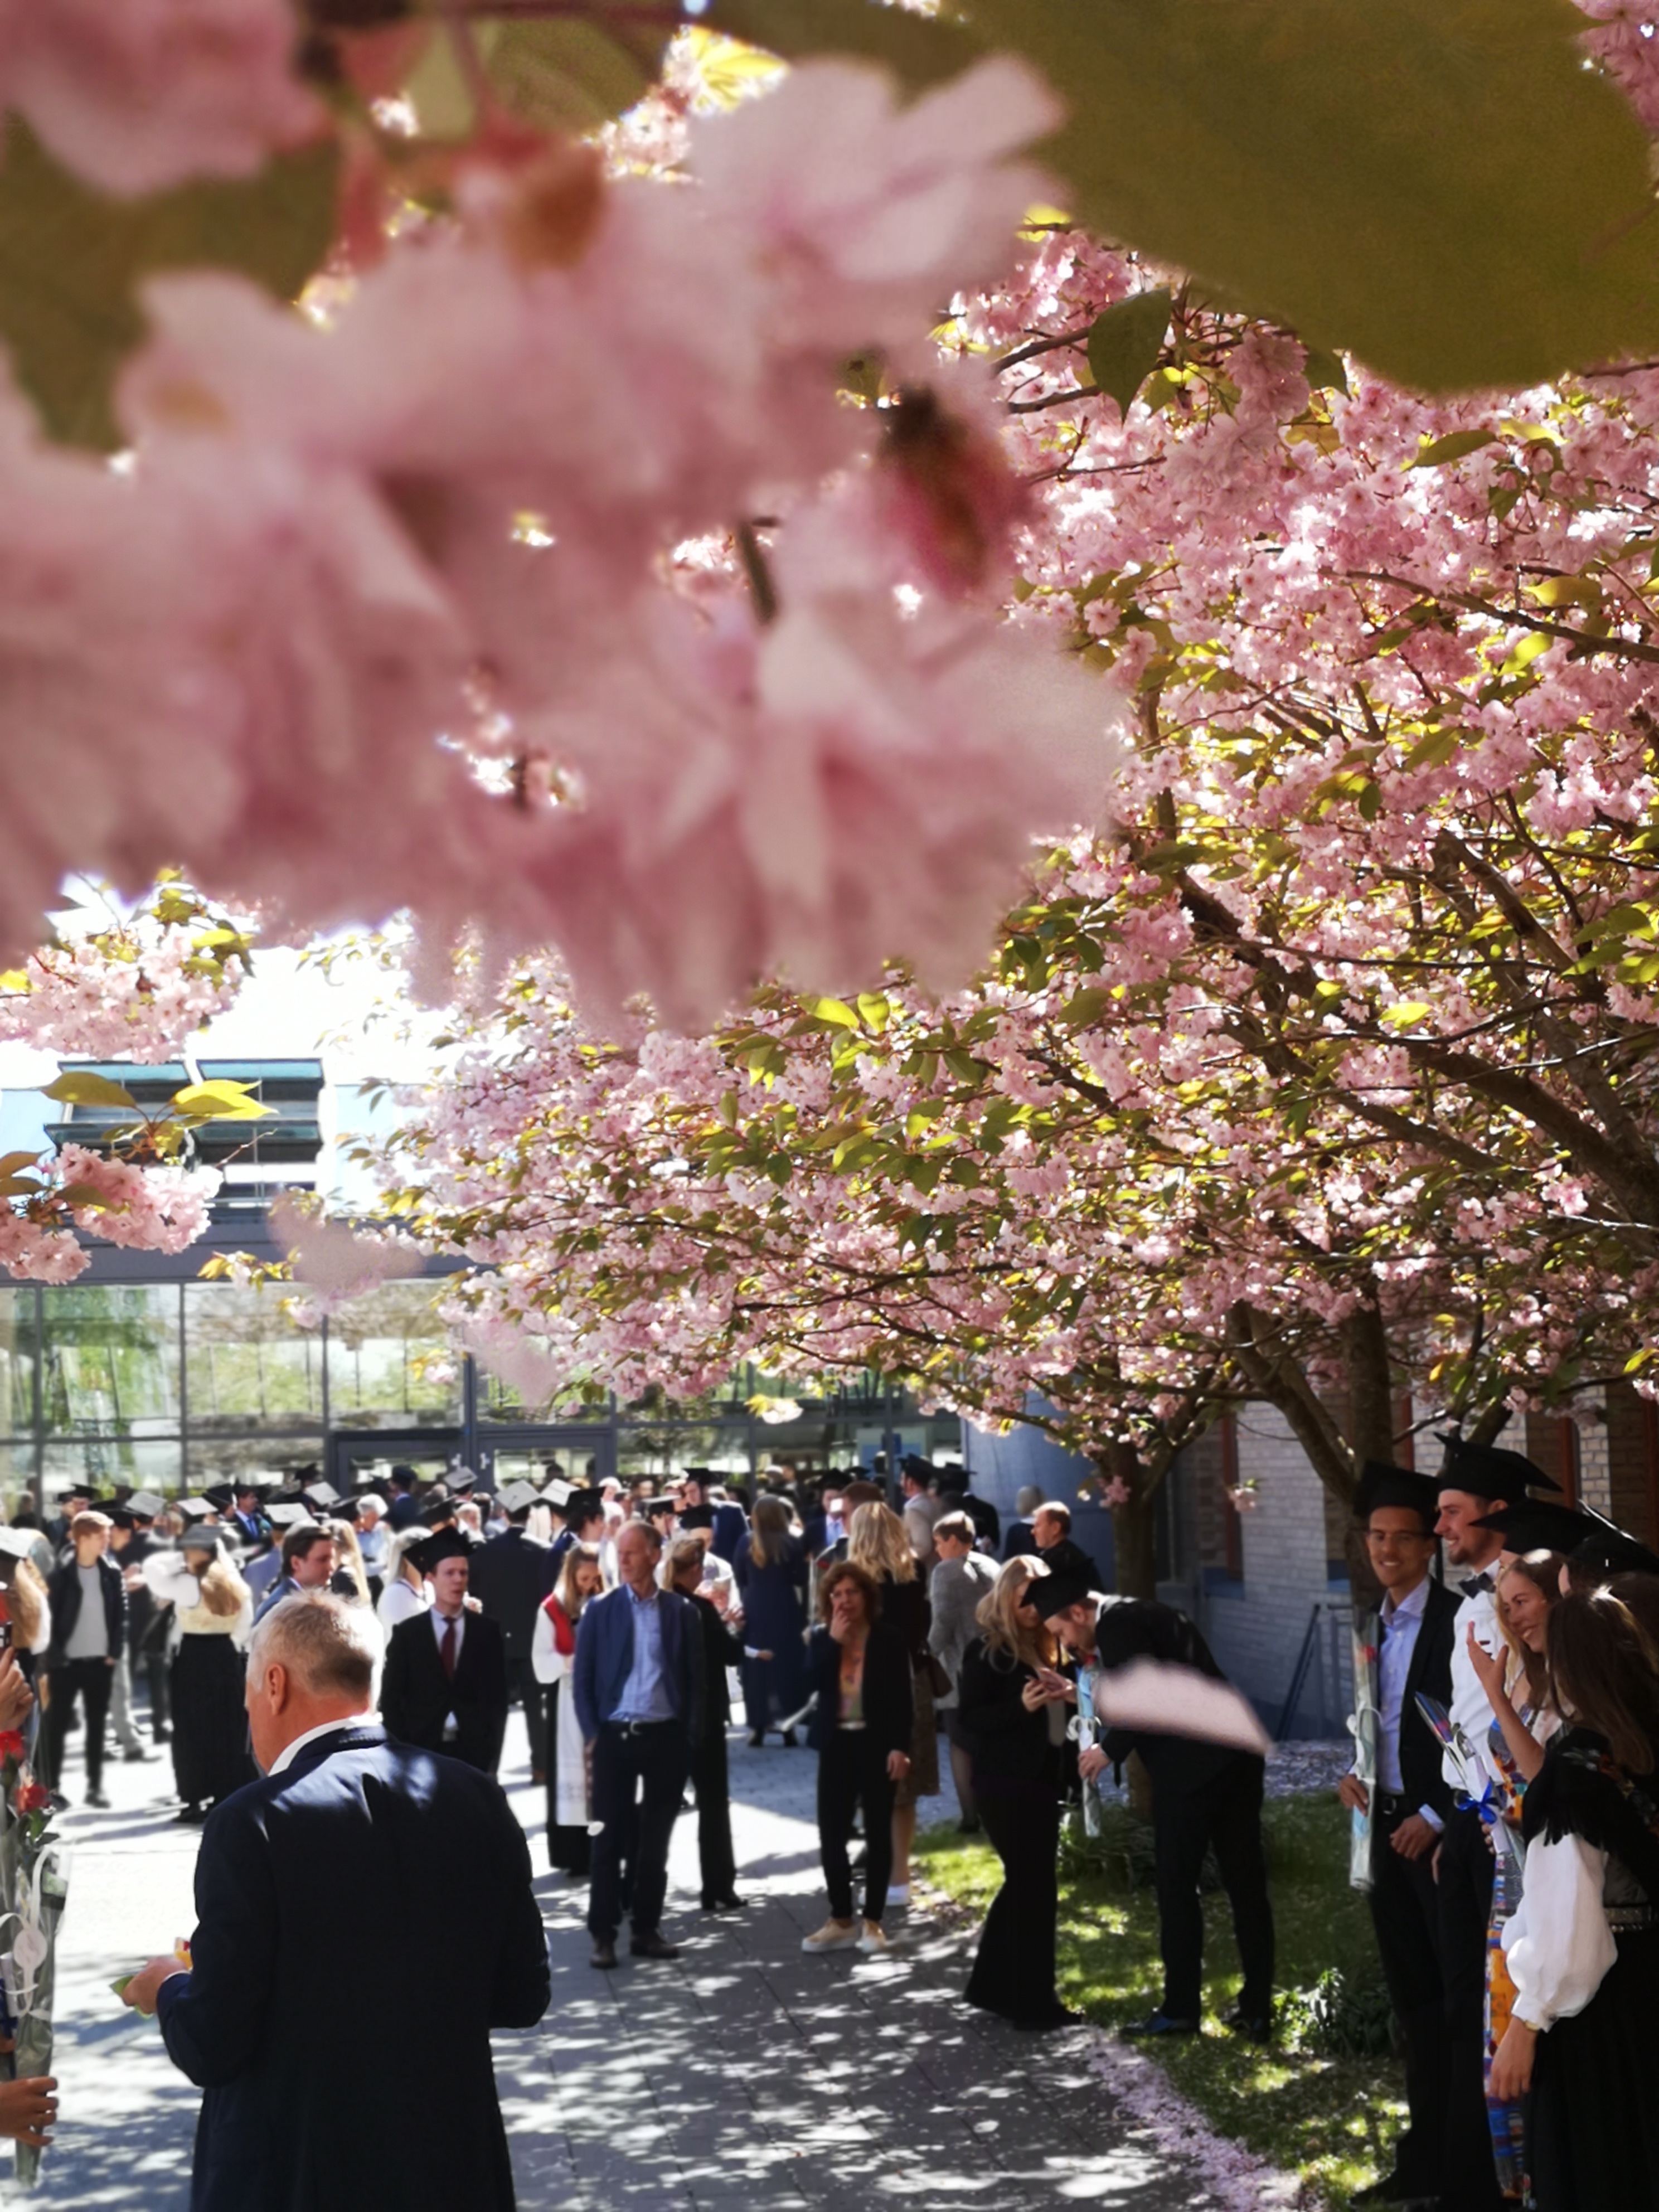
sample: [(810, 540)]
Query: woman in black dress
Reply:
[(878, 1542), (1584, 1945), (1015, 1735), (212, 1614)]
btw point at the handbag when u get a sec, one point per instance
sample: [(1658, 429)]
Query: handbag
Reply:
[(940, 1675)]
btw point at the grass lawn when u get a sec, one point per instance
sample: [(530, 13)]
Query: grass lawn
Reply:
[(1301, 2101)]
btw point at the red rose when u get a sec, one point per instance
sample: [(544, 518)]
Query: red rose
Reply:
[(32, 1797), (11, 1744)]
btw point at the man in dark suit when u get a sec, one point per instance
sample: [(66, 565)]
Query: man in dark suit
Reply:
[(446, 1671), (584, 1523), (1204, 1796), (1051, 1532), (88, 1635), (636, 1684), (511, 1574), (294, 2035), (404, 1510), (1411, 1636)]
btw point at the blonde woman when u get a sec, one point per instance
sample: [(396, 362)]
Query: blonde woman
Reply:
[(553, 1655), (772, 1571), (1016, 1739), (350, 1578), (212, 1617), (406, 1591), (878, 1542)]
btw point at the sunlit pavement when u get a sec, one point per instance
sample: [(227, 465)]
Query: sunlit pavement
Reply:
[(743, 2076)]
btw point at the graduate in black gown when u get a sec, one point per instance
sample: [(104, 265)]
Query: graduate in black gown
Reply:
[(1016, 1735), (1583, 1947)]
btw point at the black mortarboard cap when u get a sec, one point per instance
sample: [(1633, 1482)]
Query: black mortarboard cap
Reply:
[(1489, 1471), (447, 1544), (1607, 1549), (697, 1516), (222, 1497), (1052, 1594), (1382, 1485), (1539, 1524)]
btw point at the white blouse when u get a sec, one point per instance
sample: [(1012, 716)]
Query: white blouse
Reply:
[(1557, 1944), (551, 1665), (400, 1601)]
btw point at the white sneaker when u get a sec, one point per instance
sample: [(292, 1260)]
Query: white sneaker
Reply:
[(898, 1892), (873, 1942), (834, 1935)]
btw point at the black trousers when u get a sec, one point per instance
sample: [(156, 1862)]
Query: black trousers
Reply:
[(717, 1861), (1225, 1813), (853, 1773), (1014, 1969), (521, 1684), (639, 1773), (92, 1680), (1405, 1912), (1463, 1908)]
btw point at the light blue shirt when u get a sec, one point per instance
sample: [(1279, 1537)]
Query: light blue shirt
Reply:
[(1400, 1624), (645, 1693)]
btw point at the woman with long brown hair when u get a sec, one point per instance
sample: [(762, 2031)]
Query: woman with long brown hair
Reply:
[(213, 1616), (859, 1670), (878, 1542), (1017, 1739), (1583, 1947), (772, 1571)]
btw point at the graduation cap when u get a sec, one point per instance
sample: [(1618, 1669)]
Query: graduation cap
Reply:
[(197, 1509), (146, 1504), (1488, 1471), (697, 1516), (1052, 1594), (447, 1544), (222, 1497), (320, 1492), (245, 1484), (1539, 1524), (520, 1497), (1606, 1549), (204, 1537), (287, 1516), (20, 1543), (1382, 1485), (558, 1494)]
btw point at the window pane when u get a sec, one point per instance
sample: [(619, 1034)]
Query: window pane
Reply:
[(16, 1360), (111, 1358), (390, 1361), (216, 1458), (247, 1365), (16, 1475), (151, 1463)]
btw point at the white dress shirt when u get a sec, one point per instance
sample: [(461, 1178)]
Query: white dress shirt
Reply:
[(285, 1757), (1471, 1708), (1400, 1624)]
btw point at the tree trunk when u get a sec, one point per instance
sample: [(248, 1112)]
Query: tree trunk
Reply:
[(1135, 1553)]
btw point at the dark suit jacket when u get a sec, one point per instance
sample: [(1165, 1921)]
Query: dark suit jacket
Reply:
[(1005, 1743), (1067, 1557), (889, 1699), (604, 1657), (63, 1588), (404, 1511), (417, 1696), (1422, 1777), (730, 1527), (302, 2034), (510, 1576), (722, 1648), (1127, 1628)]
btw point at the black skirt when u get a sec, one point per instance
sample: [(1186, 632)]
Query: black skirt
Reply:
[(1593, 2128), (210, 1756)]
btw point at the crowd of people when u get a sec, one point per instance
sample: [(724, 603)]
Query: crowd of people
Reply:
[(1505, 1797)]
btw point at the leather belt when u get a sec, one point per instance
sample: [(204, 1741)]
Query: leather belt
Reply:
[(639, 1728)]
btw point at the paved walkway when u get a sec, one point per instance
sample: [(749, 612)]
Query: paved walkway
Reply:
[(744, 2075)]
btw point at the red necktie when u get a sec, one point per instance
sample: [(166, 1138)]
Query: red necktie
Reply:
[(447, 1650)]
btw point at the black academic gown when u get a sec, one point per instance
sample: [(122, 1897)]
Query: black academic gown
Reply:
[(417, 1696), (300, 2035)]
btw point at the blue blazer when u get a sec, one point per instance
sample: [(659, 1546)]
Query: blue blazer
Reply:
[(605, 1656), (303, 2035)]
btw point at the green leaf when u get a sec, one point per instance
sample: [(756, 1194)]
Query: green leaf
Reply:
[(82, 1089), (836, 1012), (1325, 372), (569, 74), (874, 1010), (219, 1102), (71, 261), (86, 1194), (1435, 750), (1405, 1014), (920, 52), (1125, 343), (14, 1186), (10, 1161), (1355, 172), (1434, 452)]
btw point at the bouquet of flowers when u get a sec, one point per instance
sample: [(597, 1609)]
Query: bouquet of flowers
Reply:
[(33, 1888)]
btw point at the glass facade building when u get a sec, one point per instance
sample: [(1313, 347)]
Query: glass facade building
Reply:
[(172, 1385)]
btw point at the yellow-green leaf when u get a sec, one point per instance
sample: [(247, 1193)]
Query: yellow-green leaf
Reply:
[(835, 1012), (1125, 342), (568, 74), (1404, 1013), (218, 1101), (83, 1088), (1434, 453)]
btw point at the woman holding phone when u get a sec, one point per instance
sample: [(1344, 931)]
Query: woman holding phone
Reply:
[(1014, 1706)]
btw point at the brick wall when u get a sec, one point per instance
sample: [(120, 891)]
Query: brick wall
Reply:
[(1632, 1435)]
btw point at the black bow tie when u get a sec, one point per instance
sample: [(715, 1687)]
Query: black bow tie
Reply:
[(1476, 1585)]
